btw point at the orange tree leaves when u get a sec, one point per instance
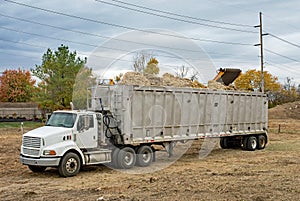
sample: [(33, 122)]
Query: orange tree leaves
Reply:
[(16, 86), (251, 81)]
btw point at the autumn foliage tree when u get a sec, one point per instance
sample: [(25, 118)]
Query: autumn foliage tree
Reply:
[(16, 86), (152, 67), (251, 81)]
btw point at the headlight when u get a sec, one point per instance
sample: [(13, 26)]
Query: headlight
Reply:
[(50, 152)]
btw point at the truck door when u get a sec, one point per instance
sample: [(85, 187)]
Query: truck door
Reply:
[(86, 136)]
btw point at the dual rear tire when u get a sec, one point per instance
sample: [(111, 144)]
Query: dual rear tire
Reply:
[(249, 143), (252, 143), (127, 157)]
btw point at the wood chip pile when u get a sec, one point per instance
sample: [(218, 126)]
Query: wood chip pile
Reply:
[(212, 84), (135, 78)]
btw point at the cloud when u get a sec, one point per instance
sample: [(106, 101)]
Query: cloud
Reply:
[(280, 18)]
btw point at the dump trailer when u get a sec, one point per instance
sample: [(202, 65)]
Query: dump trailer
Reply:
[(124, 124)]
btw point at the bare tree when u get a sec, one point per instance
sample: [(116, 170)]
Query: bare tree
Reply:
[(194, 75), (140, 60), (288, 84), (182, 71)]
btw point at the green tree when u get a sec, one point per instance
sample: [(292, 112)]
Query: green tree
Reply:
[(81, 92), (16, 86), (57, 74)]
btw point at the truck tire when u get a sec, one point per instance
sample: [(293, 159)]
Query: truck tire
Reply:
[(261, 142), (70, 165), (144, 156), (224, 143), (35, 168), (250, 143), (126, 158), (114, 158)]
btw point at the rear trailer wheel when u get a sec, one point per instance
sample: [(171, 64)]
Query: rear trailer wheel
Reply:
[(144, 156), (250, 143), (35, 168), (69, 165), (126, 158), (261, 142)]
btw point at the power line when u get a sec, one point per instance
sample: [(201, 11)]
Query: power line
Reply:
[(158, 55), (125, 27), (33, 45), (94, 35), (288, 68), (13, 54), (281, 55), (280, 20), (106, 37), (49, 37), (284, 40), (184, 16), (173, 18)]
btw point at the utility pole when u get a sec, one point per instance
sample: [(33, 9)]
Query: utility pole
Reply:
[(262, 87)]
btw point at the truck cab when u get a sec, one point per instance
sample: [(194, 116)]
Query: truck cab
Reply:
[(69, 140)]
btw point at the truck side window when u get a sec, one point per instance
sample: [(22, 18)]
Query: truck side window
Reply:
[(91, 120), (85, 122), (80, 123)]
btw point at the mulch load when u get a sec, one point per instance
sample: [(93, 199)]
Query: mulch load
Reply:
[(135, 78)]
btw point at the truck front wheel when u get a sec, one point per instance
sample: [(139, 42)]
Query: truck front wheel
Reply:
[(69, 165), (144, 156), (126, 158), (35, 168)]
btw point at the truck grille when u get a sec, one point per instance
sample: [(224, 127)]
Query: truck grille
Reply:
[(31, 152), (34, 142)]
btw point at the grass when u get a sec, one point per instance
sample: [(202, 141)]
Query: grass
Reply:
[(286, 146), (27, 124)]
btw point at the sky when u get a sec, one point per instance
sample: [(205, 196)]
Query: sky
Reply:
[(203, 35)]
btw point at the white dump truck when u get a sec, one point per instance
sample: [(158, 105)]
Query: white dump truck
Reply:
[(123, 125)]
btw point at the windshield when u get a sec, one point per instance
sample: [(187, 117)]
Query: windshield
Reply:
[(60, 119)]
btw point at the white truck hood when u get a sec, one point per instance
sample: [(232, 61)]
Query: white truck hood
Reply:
[(47, 131)]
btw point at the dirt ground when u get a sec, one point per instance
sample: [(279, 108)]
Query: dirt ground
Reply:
[(233, 174)]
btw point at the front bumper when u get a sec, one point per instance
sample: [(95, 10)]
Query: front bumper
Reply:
[(49, 162)]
